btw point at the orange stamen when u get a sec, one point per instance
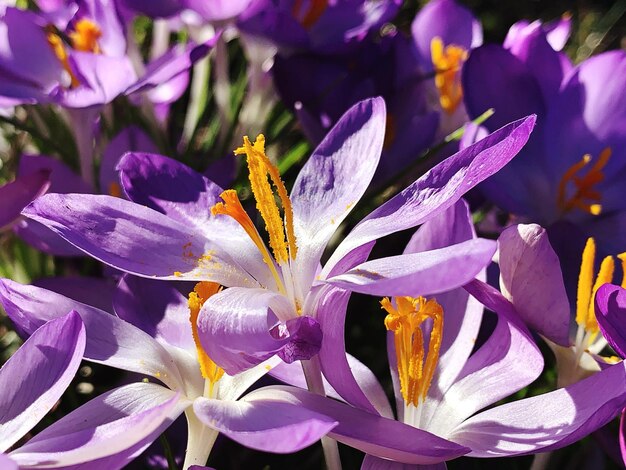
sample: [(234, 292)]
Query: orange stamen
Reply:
[(447, 62)]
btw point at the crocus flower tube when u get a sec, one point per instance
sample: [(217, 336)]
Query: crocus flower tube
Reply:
[(36, 376), (153, 333)]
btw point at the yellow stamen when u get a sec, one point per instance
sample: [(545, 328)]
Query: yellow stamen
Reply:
[(85, 36), (56, 43), (622, 258), (233, 208), (447, 62), (115, 189), (201, 292), (259, 167), (415, 367), (585, 197), (312, 14)]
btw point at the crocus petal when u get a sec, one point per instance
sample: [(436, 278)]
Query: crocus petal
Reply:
[(368, 432), (354, 382), (233, 386), (428, 272), (236, 325), (110, 340), (106, 425), (36, 376), (62, 178), (264, 425), (622, 435), (610, 309), (374, 463), (168, 186), (155, 307), (135, 239), (17, 194), (439, 188), (93, 291), (547, 421), (334, 179), (530, 277), (558, 31)]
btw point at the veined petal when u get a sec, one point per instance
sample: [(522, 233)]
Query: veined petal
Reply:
[(428, 272), (174, 189), (547, 421), (110, 340), (231, 387), (334, 179), (136, 239), (104, 426), (155, 307), (530, 277), (610, 305), (368, 432), (438, 189), (268, 425), (36, 376)]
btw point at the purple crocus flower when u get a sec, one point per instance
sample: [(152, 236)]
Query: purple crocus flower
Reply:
[(610, 303), (36, 376), (283, 303), (151, 332), (321, 88), (449, 400), (567, 176), (444, 33), (19, 193), (317, 25)]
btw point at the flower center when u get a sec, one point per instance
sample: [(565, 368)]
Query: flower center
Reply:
[(84, 38), (588, 328), (585, 197), (201, 292), (416, 367), (308, 12), (281, 234), (447, 62)]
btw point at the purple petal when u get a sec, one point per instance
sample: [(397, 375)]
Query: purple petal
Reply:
[(305, 339), (62, 178), (19, 193), (622, 435), (155, 307), (130, 139), (7, 463), (92, 291), (558, 31), (374, 463), (135, 239), (438, 189), (610, 303), (36, 376), (547, 421), (358, 386), (530, 277), (268, 425), (368, 432), (104, 426), (218, 10), (110, 340), (239, 328), (429, 272), (448, 20), (334, 179)]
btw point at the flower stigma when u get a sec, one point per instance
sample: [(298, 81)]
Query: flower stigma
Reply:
[(586, 197), (447, 62), (416, 367), (201, 293)]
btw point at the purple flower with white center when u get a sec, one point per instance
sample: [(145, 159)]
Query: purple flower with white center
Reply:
[(444, 33), (36, 376), (19, 193), (278, 301), (151, 332), (568, 176), (449, 400), (322, 26), (610, 303)]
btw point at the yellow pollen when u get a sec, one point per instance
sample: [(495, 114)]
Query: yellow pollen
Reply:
[(85, 36), (201, 292), (56, 43), (416, 368), (312, 14), (115, 189), (585, 197), (587, 286), (447, 62)]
